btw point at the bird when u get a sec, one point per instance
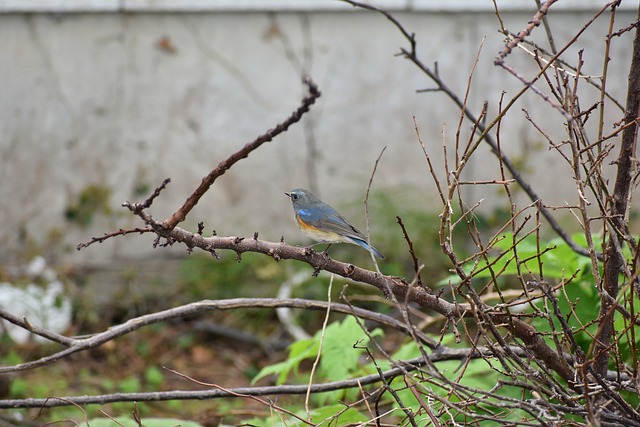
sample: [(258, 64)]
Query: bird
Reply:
[(323, 223)]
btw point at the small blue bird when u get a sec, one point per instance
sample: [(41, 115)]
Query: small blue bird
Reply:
[(323, 223)]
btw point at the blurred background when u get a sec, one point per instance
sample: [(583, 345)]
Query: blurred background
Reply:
[(101, 100)]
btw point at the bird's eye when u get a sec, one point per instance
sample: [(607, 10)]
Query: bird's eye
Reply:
[(294, 196)]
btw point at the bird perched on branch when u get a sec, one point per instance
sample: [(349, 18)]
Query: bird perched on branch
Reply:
[(323, 223)]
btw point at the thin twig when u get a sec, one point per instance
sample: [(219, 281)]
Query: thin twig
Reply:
[(366, 207), (120, 232)]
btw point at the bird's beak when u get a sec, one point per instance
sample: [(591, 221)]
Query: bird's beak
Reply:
[(288, 195)]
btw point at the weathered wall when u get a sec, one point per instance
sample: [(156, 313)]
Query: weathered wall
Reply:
[(97, 99)]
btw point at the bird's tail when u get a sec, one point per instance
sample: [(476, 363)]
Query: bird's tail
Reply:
[(367, 246)]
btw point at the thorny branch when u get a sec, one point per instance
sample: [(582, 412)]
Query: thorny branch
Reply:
[(107, 236)]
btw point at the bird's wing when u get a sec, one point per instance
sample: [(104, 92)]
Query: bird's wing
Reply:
[(328, 219)]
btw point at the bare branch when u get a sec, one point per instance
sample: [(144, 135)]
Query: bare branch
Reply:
[(443, 354), (80, 344), (618, 210)]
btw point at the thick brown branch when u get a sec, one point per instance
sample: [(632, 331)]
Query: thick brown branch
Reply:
[(320, 262), (618, 211)]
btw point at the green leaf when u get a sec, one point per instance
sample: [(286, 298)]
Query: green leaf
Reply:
[(335, 415), (339, 356), (298, 351), (580, 302), (407, 351)]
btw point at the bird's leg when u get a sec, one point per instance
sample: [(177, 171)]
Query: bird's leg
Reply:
[(326, 251), (309, 249)]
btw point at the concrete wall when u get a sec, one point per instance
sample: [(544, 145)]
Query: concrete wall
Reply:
[(123, 100)]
